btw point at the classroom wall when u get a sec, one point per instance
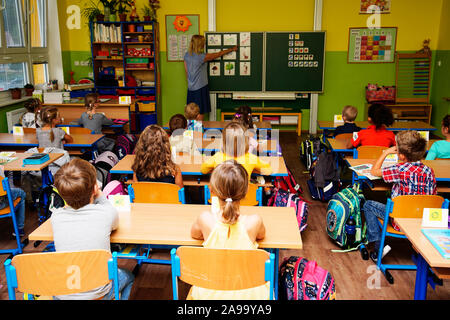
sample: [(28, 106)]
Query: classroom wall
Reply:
[(441, 80), (344, 83)]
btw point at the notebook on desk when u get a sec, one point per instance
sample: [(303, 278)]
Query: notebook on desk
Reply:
[(440, 239), (37, 158)]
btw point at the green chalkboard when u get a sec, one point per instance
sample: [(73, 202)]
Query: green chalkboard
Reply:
[(243, 72), (295, 61)]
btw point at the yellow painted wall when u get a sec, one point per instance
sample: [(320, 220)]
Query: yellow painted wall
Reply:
[(416, 20), (444, 32)]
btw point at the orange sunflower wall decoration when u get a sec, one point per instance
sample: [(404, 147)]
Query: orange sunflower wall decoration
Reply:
[(182, 23)]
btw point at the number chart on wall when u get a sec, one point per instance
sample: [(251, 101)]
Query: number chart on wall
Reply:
[(372, 45)]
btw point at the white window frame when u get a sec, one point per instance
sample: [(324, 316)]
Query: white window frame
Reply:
[(27, 54)]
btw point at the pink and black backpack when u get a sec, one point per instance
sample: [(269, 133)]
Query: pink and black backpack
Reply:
[(301, 279)]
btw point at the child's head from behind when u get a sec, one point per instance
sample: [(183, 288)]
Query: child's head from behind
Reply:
[(177, 122), (349, 113), (91, 101), (192, 111), (50, 116), (235, 140), (411, 145), (446, 125), (76, 182), (243, 115), (33, 105), (229, 182), (153, 154), (379, 115)]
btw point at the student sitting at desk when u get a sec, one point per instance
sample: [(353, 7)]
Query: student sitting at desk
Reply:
[(193, 116), (235, 147), (32, 118), (49, 135), (244, 117), (409, 177), (225, 228), (379, 116), (349, 114), (95, 121), (441, 149), (178, 138), (153, 162), (86, 223)]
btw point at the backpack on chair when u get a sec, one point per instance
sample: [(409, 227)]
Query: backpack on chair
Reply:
[(48, 200), (301, 279)]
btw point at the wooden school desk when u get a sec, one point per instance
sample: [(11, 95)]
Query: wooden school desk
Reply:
[(219, 125), (397, 126), (170, 224), (340, 145), (17, 165), (29, 140), (441, 170), (428, 256), (191, 166)]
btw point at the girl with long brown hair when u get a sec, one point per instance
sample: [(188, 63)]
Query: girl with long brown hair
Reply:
[(49, 135), (227, 228), (153, 160)]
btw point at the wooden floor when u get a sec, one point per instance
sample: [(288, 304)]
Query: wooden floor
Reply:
[(355, 278)]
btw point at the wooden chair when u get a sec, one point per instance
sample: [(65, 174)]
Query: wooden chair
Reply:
[(222, 269), (61, 273), (79, 130), (9, 212), (344, 136), (29, 130), (368, 152), (156, 192), (409, 206), (253, 197)]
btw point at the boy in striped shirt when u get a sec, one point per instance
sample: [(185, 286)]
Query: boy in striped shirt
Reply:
[(409, 177)]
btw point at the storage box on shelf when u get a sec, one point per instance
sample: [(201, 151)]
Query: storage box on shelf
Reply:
[(128, 51)]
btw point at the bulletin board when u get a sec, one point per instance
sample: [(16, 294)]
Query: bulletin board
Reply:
[(372, 45), (179, 31)]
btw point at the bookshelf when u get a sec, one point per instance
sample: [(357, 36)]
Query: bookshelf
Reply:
[(125, 62)]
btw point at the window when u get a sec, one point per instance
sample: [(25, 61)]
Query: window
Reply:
[(13, 75), (13, 23), (23, 43)]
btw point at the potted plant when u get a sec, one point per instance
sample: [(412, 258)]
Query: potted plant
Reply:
[(154, 6), (147, 13), (16, 93), (29, 88), (122, 9), (109, 9), (92, 12)]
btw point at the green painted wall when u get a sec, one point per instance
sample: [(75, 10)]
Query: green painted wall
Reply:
[(440, 89), (69, 59)]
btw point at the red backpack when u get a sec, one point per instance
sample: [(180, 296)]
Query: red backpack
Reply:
[(287, 184)]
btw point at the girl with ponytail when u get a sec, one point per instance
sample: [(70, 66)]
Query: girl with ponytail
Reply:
[(49, 135), (226, 228), (91, 119)]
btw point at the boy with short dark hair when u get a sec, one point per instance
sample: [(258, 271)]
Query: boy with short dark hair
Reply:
[(86, 223), (349, 114), (409, 176)]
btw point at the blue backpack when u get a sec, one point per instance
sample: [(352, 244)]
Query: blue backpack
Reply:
[(343, 214)]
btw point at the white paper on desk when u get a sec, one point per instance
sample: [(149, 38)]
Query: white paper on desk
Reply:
[(364, 170), (435, 218), (120, 202)]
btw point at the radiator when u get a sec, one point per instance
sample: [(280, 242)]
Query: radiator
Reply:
[(13, 118)]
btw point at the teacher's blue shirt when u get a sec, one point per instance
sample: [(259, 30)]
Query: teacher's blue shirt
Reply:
[(196, 70)]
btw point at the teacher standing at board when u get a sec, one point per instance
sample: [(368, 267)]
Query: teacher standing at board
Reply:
[(195, 63)]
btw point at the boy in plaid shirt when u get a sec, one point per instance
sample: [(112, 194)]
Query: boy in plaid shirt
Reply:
[(409, 176)]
